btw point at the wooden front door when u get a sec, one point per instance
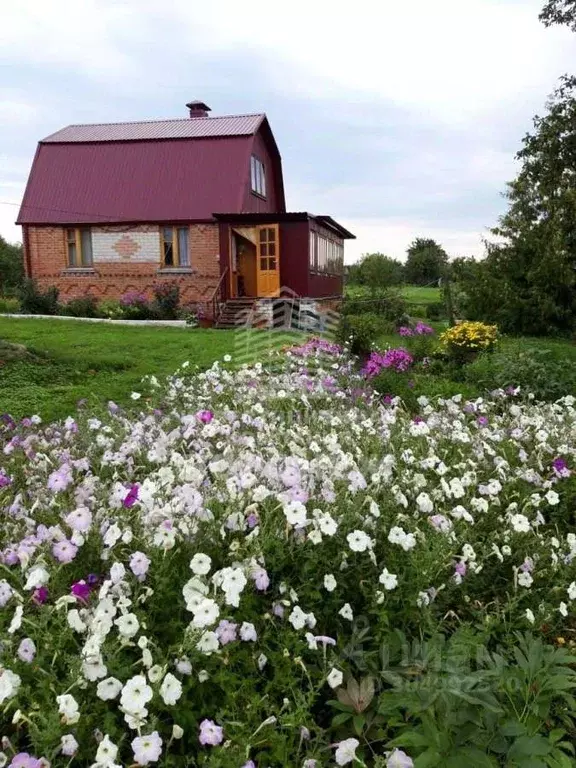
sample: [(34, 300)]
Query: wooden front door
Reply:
[(268, 260)]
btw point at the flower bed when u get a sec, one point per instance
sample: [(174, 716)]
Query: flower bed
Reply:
[(269, 567)]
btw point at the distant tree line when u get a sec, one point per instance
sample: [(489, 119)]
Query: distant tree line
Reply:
[(11, 267), (425, 264)]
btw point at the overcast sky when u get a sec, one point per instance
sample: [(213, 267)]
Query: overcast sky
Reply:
[(398, 119)]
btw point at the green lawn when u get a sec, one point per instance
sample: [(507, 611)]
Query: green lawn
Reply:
[(101, 362), (420, 295), (412, 293)]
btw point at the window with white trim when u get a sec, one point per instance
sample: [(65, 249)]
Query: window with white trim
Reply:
[(257, 176)]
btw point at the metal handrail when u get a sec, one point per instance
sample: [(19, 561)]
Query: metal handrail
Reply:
[(215, 299)]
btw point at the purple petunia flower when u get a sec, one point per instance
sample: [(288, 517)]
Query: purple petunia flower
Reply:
[(226, 632), (40, 595), (396, 359), (81, 590), (205, 416), (24, 760), (64, 551), (132, 496)]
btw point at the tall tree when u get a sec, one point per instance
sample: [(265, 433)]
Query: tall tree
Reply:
[(530, 275), (426, 262), (559, 12)]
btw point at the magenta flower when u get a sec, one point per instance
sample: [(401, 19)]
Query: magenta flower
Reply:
[(397, 359), (64, 551), (132, 496), (210, 733), (40, 595), (482, 421), (421, 329), (4, 480), (205, 416), (81, 590), (405, 331)]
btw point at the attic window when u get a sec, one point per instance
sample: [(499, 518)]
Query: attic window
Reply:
[(79, 245), (257, 176)]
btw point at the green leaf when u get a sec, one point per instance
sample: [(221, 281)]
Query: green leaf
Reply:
[(513, 728), (556, 735), (343, 717), (528, 746), (470, 756), (359, 722), (428, 759), (409, 739)]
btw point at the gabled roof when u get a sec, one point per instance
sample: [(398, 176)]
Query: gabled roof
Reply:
[(184, 128), (157, 171)]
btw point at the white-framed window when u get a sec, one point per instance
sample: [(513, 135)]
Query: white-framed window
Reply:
[(257, 176), (79, 246)]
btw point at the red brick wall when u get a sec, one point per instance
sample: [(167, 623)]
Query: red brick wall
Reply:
[(110, 280)]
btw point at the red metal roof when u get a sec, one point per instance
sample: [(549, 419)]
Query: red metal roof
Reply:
[(136, 181), (184, 128)]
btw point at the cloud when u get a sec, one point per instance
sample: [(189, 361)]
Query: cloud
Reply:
[(399, 119)]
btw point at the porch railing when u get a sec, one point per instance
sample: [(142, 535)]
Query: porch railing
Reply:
[(216, 300)]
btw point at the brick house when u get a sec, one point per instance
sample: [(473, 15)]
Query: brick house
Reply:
[(118, 207)]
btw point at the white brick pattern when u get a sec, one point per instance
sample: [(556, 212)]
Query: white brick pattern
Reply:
[(131, 247)]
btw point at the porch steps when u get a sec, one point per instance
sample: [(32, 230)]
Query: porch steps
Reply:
[(235, 313)]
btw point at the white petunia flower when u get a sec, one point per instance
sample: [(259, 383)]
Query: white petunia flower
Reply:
[(388, 580), (16, 622), (297, 618), (346, 751), (552, 498), (9, 684), (107, 752), (128, 625), (346, 612), (108, 689), (206, 613), (200, 564), (520, 523), (335, 678), (208, 643), (359, 541), (68, 745), (530, 616), (171, 689), (136, 693), (330, 583), (563, 608), (68, 708), (572, 591), (525, 579)]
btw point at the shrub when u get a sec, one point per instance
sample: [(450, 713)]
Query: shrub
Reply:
[(135, 306), (360, 332), (9, 305), (111, 309), (167, 297), (435, 311), (83, 306), (465, 341), (35, 302), (534, 371)]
